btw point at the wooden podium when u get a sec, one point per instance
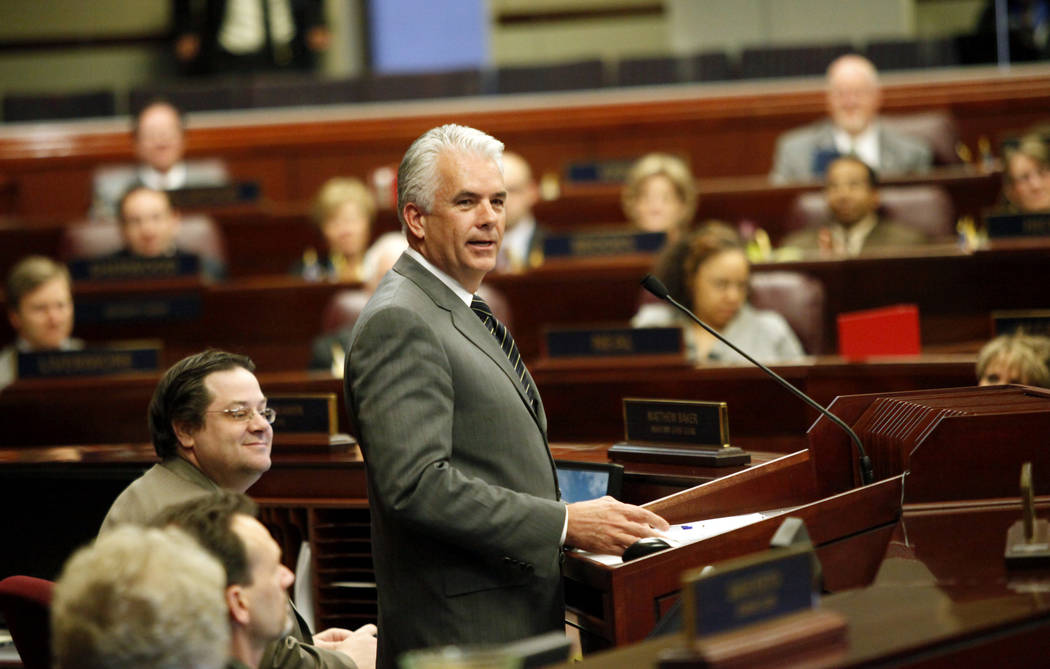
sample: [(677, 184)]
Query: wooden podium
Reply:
[(936, 448)]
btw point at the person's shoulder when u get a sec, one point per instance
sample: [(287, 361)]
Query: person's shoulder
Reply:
[(766, 319), (804, 134)]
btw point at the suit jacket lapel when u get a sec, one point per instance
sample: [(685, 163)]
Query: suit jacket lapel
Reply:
[(471, 327)]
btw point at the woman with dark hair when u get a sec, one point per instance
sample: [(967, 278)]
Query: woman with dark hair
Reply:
[(708, 272)]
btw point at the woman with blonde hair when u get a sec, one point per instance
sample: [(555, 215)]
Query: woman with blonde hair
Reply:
[(660, 195), (1015, 358), (344, 210)]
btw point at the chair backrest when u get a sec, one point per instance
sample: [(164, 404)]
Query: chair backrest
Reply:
[(580, 75), (344, 308), (936, 128), (95, 239), (25, 602), (789, 61), (796, 297), (928, 209)]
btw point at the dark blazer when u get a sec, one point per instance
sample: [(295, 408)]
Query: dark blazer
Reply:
[(461, 483), (797, 151)]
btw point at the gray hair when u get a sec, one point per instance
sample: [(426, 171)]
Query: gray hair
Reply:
[(417, 175), (144, 598)]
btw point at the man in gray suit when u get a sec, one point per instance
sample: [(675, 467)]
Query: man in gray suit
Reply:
[(853, 100), (467, 526)]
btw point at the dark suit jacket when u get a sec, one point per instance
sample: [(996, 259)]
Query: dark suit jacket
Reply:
[(461, 483), (205, 18), (796, 151)]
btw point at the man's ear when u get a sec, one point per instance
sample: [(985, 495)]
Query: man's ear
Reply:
[(413, 216), (183, 434), (237, 603)]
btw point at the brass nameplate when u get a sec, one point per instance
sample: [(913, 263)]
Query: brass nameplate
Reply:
[(602, 244), (676, 422), (605, 342), (747, 590), (88, 362)]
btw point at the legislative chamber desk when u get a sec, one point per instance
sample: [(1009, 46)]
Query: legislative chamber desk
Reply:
[(583, 404), (955, 291)]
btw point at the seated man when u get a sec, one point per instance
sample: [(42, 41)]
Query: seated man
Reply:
[(256, 580), (522, 246), (212, 430), (852, 194), (149, 225), (853, 100), (143, 598), (159, 136), (40, 308)]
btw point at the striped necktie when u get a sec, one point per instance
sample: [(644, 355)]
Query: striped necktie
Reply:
[(506, 342)]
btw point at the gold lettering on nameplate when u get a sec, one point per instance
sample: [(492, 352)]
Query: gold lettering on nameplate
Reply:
[(601, 245), (60, 364), (1036, 226), (612, 343)]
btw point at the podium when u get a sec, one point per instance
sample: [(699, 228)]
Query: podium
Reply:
[(935, 451)]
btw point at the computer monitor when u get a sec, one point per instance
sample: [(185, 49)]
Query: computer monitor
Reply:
[(581, 481)]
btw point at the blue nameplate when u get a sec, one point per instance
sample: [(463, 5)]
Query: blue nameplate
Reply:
[(123, 308), (1031, 321), (313, 413), (215, 196), (602, 244), (747, 590), (599, 171), (1002, 226), (134, 269), (88, 362), (601, 343), (676, 422)]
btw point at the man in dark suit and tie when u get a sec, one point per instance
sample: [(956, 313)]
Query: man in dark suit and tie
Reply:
[(467, 526)]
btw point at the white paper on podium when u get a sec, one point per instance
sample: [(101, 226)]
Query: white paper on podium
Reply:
[(689, 533)]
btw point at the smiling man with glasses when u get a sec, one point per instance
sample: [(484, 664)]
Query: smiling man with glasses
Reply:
[(212, 430)]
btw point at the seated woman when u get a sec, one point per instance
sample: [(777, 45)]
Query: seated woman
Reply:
[(344, 211), (1015, 358), (1026, 177), (708, 272), (660, 195)]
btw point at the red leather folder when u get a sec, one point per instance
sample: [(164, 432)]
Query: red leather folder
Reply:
[(890, 330)]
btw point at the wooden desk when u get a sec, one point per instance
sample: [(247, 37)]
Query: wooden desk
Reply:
[(585, 402), (955, 291), (582, 405), (723, 130), (273, 319)]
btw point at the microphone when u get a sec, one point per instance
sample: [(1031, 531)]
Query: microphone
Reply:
[(657, 288)]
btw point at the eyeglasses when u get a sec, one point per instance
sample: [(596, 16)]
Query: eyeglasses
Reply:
[(245, 414)]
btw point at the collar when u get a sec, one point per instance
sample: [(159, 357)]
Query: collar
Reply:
[(853, 237), (865, 145), (462, 293), (23, 346), (173, 179)]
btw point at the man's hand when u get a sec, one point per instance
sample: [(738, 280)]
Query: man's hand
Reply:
[(360, 644), (607, 526)]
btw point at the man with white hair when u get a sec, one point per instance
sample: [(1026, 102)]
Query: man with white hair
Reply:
[(143, 598), (467, 524), (853, 129)]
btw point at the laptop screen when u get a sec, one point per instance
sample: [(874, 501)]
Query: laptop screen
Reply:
[(581, 481)]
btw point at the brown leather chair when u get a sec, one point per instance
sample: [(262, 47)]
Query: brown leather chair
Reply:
[(25, 603), (926, 208), (936, 128), (93, 239), (796, 297)]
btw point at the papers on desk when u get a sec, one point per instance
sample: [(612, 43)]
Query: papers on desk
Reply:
[(688, 533)]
